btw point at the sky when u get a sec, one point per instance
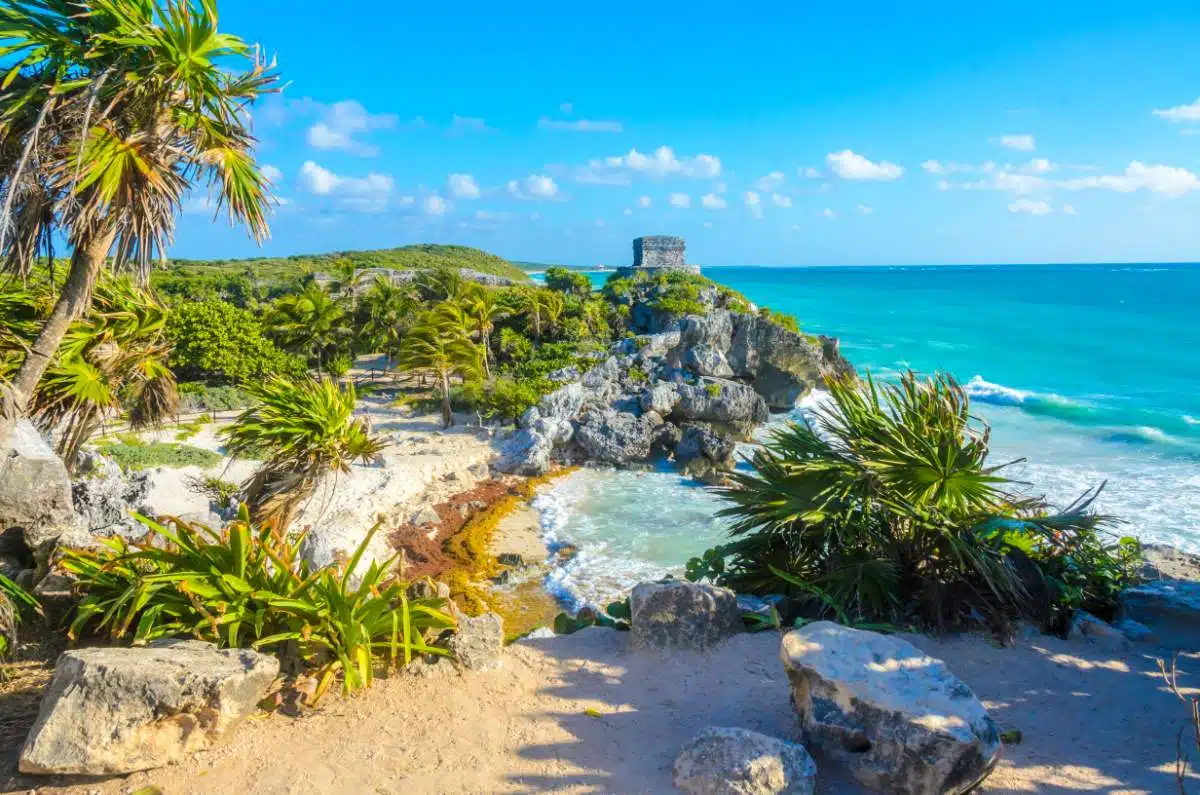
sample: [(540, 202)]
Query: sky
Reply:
[(854, 133)]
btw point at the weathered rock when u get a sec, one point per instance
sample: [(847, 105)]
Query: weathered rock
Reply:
[(721, 401), (698, 442), (330, 543), (616, 437), (526, 452), (1169, 608), (675, 614), (425, 515), (117, 710), (1086, 628), (730, 761), (478, 643), (35, 491), (1135, 631), (897, 718), (562, 403), (707, 360), (660, 398)]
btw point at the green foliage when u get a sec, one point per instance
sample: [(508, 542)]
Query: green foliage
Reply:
[(304, 430), (713, 389), (507, 398), (15, 601), (339, 364), (311, 322), (514, 345), (638, 375), (215, 340), (384, 314), (134, 455), (616, 615), (886, 506), (198, 396), (244, 586), (440, 345), (781, 319), (216, 490), (568, 281)]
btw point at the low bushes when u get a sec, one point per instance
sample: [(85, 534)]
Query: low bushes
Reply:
[(248, 586), (133, 454)]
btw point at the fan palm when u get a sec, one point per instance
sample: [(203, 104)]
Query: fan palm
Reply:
[(542, 308), (440, 344), (311, 322), (304, 430), (110, 111), (482, 307)]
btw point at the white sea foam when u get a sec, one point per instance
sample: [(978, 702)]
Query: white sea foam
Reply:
[(1190, 420)]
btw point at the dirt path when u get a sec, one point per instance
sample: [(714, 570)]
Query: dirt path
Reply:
[(1092, 722)]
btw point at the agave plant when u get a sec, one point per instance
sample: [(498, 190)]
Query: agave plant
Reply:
[(885, 506), (304, 430), (110, 112), (248, 585)]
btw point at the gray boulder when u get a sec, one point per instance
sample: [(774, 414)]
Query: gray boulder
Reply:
[(617, 437), (660, 398), (707, 360), (104, 497), (699, 444), (562, 403), (1086, 628), (118, 710), (721, 401), (526, 452), (1170, 609), (675, 614), (730, 761), (897, 718), (35, 490), (478, 643)]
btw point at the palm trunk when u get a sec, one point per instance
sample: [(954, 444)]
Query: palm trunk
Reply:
[(86, 262), (447, 412), (487, 353)]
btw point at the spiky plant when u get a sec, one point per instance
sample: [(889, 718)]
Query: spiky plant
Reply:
[(305, 431), (884, 504), (440, 344), (110, 112)]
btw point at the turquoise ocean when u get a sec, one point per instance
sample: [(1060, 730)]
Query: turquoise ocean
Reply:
[(1090, 372)]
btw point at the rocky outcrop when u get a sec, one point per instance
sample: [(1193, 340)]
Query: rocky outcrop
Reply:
[(118, 710), (675, 614), (35, 491), (720, 401), (1168, 609), (897, 718), (104, 497), (1086, 628), (731, 761), (616, 437)]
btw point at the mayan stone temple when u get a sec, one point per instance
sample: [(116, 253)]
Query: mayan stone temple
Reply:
[(658, 252)]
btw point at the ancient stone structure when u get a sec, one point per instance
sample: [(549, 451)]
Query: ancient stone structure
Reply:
[(658, 252)]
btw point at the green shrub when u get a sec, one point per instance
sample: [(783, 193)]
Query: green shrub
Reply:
[(216, 340), (886, 509), (568, 281), (713, 389), (132, 454), (637, 375), (247, 586), (198, 396), (216, 490), (339, 364), (781, 319), (15, 602), (508, 398)]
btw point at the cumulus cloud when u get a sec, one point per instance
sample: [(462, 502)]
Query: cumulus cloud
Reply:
[(367, 194), (1022, 142), (1031, 207), (580, 125), (1068, 209), (781, 200), (712, 201), (808, 172), (848, 165), (343, 122), (627, 211), (680, 200), (1167, 180), (271, 174), (435, 205), (1180, 112), (663, 162), (771, 182), (644, 201), (535, 186), (754, 202), (463, 186), (1039, 165), (940, 167)]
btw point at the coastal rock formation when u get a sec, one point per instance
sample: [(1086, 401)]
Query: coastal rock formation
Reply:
[(117, 710), (35, 490), (675, 614), (616, 437), (897, 718), (1167, 609), (731, 761)]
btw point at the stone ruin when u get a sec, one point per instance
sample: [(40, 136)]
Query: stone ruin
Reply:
[(658, 252)]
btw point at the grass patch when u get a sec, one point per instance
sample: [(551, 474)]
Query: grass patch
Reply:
[(133, 454)]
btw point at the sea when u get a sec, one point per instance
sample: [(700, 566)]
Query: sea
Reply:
[(1091, 373)]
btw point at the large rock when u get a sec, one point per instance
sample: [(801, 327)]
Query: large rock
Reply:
[(896, 717), (617, 437), (699, 444), (721, 401), (660, 398), (35, 491), (729, 761), (105, 497), (526, 452), (117, 710), (1170, 609), (478, 643), (675, 614)]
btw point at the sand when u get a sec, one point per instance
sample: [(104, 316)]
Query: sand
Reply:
[(1092, 722)]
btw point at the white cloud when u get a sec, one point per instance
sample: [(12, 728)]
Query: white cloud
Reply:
[(271, 173), (1180, 112), (943, 184), (712, 201), (940, 167), (1022, 184), (1168, 180), (808, 172), (435, 205), (467, 124), (463, 186), (781, 200), (754, 202), (663, 162), (1039, 165), (680, 200), (720, 187), (644, 201), (1068, 209), (365, 194), (342, 121), (848, 165), (828, 213), (865, 210), (1031, 207), (488, 215), (771, 182), (1022, 142), (535, 216), (535, 186), (318, 180), (580, 125)]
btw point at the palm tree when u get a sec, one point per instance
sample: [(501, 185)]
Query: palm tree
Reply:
[(304, 430), (385, 312), (310, 322), (110, 112), (542, 308), (440, 344), (482, 308)]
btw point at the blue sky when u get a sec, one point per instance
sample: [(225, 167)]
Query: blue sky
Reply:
[(771, 134)]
